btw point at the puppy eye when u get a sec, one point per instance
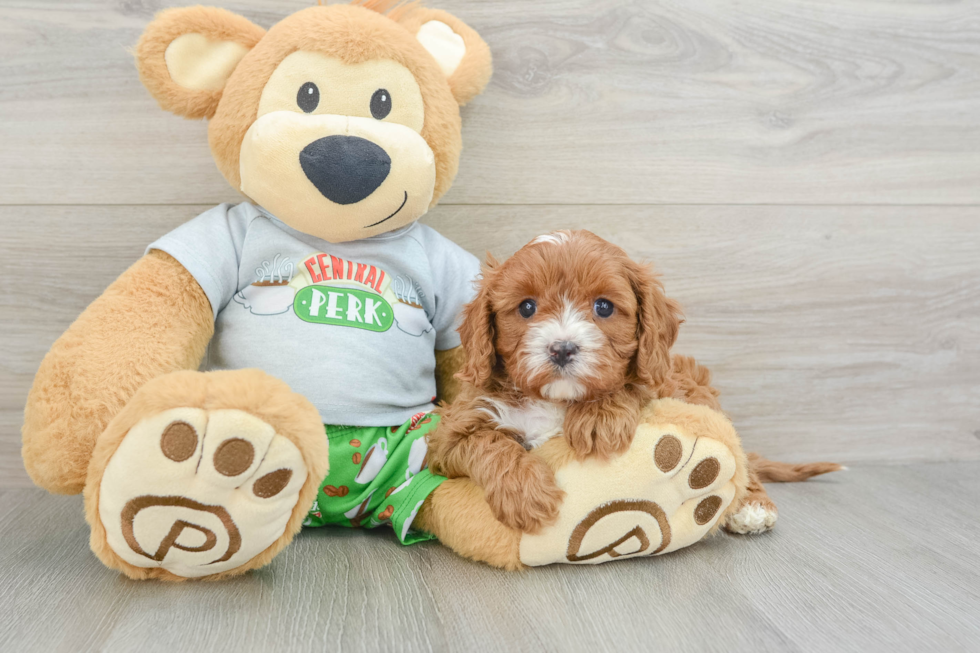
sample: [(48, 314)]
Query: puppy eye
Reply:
[(527, 308), (308, 97), (603, 307), (380, 104)]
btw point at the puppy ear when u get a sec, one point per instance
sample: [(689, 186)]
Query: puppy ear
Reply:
[(186, 55), (477, 331), (462, 55), (657, 323)]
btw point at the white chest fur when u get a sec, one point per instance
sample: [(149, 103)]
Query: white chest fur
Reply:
[(535, 421)]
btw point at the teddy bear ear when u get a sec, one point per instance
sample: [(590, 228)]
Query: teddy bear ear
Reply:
[(186, 55), (462, 55)]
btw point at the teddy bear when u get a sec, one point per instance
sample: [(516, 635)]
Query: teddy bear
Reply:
[(275, 363)]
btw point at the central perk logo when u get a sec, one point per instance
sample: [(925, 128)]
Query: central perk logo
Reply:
[(343, 307), (359, 295)]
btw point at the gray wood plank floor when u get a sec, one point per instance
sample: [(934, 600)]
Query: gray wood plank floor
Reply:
[(880, 558), (806, 176)]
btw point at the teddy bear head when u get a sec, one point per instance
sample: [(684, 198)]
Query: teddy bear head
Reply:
[(340, 120)]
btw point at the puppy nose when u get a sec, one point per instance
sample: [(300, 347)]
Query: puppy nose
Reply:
[(562, 352), (345, 169)]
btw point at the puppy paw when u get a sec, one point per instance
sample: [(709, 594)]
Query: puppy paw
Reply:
[(527, 497), (600, 428), (752, 518)]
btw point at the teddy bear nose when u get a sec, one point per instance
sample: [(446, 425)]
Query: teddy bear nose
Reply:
[(345, 169), (562, 352)]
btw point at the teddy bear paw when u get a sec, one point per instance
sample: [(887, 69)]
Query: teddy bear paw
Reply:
[(199, 492), (665, 493)]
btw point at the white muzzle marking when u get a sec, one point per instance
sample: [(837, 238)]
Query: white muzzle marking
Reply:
[(573, 326)]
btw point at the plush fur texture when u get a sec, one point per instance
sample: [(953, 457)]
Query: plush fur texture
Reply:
[(448, 363), (213, 23), (473, 73), (459, 515), (152, 320), (252, 391), (350, 33)]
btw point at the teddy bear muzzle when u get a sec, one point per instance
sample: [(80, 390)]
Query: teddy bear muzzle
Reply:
[(337, 177)]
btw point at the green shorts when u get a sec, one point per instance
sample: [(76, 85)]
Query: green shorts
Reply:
[(378, 475)]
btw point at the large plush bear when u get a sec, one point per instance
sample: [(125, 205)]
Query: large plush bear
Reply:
[(321, 301)]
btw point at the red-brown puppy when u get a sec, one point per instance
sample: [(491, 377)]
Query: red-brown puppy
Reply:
[(569, 336)]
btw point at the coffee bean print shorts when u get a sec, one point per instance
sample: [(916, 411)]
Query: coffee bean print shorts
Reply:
[(378, 476)]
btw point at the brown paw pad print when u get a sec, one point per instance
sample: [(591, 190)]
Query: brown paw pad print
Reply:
[(704, 473), (667, 456), (706, 509), (272, 483), (668, 452), (233, 457), (178, 441)]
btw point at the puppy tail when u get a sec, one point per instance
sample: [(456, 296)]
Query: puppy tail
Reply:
[(770, 471)]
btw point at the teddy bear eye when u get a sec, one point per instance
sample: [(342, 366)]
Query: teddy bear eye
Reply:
[(308, 97), (381, 104), (603, 307), (527, 308)]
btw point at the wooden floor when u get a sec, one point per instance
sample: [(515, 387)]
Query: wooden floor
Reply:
[(806, 176), (881, 558)]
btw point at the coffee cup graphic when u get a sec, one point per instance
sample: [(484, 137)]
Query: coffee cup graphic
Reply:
[(411, 318), (266, 297), (418, 456), (374, 460), (272, 294), (358, 512), (409, 314)]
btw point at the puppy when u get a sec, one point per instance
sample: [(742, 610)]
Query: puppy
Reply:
[(569, 337)]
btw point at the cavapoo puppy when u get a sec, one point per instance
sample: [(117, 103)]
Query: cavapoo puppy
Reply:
[(569, 337)]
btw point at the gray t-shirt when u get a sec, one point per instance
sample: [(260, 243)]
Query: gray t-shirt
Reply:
[(352, 326)]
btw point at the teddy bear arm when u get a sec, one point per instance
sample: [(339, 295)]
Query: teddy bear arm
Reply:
[(152, 320)]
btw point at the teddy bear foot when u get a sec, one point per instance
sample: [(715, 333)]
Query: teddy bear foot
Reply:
[(199, 492), (204, 489), (669, 490)]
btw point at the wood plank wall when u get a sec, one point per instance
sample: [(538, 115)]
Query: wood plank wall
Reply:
[(806, 176)]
